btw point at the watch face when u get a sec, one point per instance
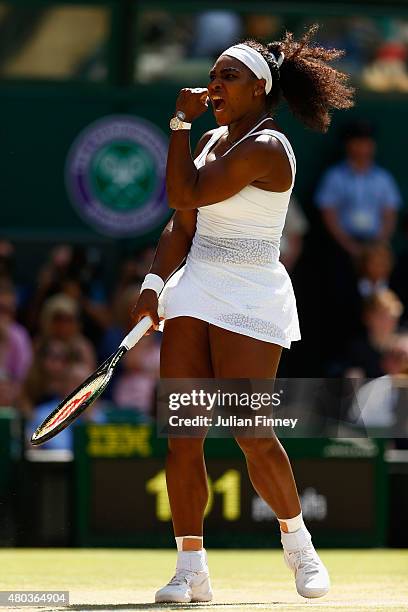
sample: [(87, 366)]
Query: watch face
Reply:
[(174, 123), (181, 115)]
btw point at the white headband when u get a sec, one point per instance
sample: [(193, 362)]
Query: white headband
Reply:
[(255, 62)]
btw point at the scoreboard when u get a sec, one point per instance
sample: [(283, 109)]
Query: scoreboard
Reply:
[(121, 497)]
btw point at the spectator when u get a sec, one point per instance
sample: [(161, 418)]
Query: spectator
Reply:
[(398, 281), (7, 275), (94, 312), (135, 378), (358, 202), (388, 70), (133, 270), (48, 282), (135, 386), (15, 348), (45, 379), (84, 269), (262, 27), (381, 315), (60, 320), (215, 31), (374, 266), (73, 271), (122, 321), (358, 199), (383, 403)]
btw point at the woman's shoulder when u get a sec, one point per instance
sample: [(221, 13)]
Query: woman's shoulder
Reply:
[(270, 133), (205, 138)]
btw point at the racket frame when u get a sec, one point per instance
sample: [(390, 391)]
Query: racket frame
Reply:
[(107, 366)]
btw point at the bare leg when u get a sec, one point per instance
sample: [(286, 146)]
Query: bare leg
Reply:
[(187, 486), (185, 354), (237, 356), (271, 475)]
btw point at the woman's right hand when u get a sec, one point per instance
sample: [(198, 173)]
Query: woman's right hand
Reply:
[(147, 304), (193, 101)]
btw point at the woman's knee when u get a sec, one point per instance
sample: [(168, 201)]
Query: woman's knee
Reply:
[(186, 447)]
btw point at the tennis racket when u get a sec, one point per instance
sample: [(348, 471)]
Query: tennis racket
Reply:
[(83, 396)]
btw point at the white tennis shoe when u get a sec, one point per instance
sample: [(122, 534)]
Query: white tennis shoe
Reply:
[(185, 587), (312, 578), (191, 581)]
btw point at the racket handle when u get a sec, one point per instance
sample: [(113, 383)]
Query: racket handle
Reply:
[(137, 332)]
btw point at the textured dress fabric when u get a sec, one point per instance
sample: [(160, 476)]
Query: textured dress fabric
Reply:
[(232, 277)]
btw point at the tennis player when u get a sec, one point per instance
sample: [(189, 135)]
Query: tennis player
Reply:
[(231, 308)]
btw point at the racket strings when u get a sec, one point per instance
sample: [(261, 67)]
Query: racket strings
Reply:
[(67, 408)]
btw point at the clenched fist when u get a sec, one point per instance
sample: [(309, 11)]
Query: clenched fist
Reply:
[(193, 102)]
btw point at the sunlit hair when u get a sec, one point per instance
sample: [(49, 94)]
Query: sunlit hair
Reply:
[(306, 80), (54, 305)]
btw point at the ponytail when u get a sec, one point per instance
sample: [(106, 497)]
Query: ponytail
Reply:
[(306, 80)]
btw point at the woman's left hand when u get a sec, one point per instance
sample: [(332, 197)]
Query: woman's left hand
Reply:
[(193, 102)]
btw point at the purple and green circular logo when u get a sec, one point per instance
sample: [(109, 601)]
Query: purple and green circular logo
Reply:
[(115, 175)]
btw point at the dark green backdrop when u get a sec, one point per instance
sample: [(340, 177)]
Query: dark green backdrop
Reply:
[(39, 122)]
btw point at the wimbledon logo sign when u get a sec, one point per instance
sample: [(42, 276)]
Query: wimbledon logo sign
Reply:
[(115, 176)]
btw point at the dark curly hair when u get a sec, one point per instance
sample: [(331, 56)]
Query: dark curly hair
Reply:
[(310, 86)]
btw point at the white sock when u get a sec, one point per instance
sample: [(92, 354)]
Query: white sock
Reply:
[(297, 539), (179, 541), (292, 524), (193, 560)]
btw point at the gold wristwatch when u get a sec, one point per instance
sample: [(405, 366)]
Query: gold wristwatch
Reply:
[(177, 122)]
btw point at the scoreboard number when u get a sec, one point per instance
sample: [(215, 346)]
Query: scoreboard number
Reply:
[(228, 485)]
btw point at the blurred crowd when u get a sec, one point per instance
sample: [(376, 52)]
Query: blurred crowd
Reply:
[(55, 330), (64, 41), (366, 285), (351, 286), (171, 43)]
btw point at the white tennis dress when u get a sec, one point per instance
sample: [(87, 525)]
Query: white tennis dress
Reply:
[(232, 277)]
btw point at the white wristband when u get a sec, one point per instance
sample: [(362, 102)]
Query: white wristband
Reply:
[(154, 282)]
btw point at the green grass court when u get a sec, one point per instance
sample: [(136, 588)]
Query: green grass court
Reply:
[(102, 579)]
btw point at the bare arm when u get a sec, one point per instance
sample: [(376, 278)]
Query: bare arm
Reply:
[(254, 159), (173, 248), (261, 159), (175, 241)]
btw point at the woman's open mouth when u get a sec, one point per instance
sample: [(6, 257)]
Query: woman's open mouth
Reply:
[(218, 103)]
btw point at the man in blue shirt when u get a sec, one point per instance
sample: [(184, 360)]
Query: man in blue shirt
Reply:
[(358, 199)]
